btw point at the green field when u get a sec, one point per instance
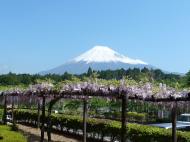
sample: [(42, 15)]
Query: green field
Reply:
[(10, 136)]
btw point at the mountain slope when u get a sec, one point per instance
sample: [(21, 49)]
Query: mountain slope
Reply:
[(98, 58)]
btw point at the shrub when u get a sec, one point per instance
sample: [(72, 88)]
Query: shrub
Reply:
[(104, 127)]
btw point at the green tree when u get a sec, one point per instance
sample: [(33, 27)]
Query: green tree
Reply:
[(73, 105), (97, 103), (89, 72), (187, 79)]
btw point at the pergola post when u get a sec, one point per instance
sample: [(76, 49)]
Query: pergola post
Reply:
[(123, 118), (13, 118), (84, 119), (49, 123), (5, 111), (38, 123), (43, 119), (174, 119)]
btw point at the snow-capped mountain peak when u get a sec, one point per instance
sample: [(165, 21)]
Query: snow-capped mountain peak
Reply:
[(99, 58), (104, 54)]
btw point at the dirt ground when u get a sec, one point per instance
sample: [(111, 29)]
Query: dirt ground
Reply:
[(33, 135)]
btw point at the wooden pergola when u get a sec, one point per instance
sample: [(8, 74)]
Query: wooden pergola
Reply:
[(86, 91)]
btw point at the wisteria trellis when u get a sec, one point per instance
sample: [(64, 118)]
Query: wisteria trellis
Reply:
[(87, 90)]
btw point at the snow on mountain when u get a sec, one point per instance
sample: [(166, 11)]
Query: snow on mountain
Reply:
[(105, 54), (98, 58)]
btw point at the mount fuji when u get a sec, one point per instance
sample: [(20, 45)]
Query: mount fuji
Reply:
[(98, 58)]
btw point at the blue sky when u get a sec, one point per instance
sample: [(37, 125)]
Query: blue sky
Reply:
[(37, 35)]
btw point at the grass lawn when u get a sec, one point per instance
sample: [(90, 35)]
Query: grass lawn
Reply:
[(10, 136)]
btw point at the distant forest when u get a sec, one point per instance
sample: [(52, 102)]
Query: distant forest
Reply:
[(144, 75)]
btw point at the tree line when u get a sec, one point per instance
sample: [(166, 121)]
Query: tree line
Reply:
[(144, 75)]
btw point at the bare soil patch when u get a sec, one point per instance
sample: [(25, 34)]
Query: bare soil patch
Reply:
[(33, 135)]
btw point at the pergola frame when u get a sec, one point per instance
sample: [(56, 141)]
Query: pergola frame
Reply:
[(85, 91)]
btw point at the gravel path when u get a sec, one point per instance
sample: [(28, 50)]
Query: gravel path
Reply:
[(33, 135)]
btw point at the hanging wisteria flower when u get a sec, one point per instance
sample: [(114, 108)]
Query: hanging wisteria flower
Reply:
[(41, 88), (144, 92)]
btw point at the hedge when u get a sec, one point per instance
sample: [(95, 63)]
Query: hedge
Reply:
[(103, 127), (131, 116), (1, 113)]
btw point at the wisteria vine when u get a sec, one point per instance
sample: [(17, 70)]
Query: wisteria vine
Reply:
[(86, 89)]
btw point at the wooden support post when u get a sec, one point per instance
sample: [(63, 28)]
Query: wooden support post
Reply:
[(38, 123), (84, 119), (5, 111), (43, 119), (49, 122), (123, 118), (13, 118), (174, 119), (49, 125)]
